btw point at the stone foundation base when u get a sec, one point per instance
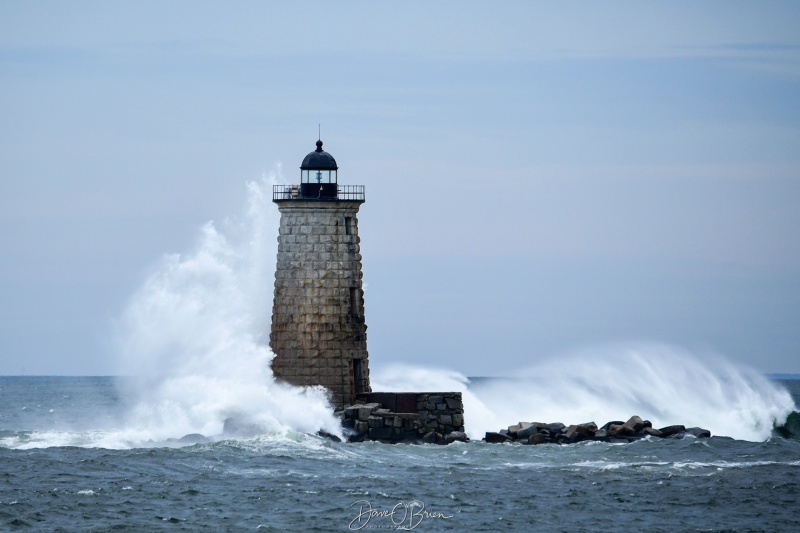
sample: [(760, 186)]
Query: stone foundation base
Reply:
[(414, 417)]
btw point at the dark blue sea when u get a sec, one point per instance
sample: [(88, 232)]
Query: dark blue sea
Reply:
[(73, 459)]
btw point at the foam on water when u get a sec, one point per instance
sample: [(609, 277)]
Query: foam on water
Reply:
[(195, 338), (662, 383)]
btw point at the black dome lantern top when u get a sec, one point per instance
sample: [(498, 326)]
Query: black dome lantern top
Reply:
[(319, 180), (319, 159)]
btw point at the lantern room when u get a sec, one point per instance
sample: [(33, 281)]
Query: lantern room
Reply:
[(318, 175)]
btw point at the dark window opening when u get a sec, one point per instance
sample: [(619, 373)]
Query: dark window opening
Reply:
[(358, 376), (354, 307)]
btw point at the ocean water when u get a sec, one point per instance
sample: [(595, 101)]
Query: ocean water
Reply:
[(71, 461), (149, 452)]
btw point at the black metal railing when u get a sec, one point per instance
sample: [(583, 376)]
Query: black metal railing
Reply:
[(295, 192), (351, 192)]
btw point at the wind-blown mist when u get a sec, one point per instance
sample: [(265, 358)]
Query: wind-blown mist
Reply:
[(195, 336), (661, 383)]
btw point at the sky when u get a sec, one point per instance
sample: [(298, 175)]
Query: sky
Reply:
[(540, 177)]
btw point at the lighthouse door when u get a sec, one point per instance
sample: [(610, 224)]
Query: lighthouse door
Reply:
[(358, 377)]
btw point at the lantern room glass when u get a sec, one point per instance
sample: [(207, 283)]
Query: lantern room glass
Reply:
[(318, 176)]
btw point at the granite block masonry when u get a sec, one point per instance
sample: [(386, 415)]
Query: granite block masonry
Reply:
[(415, 417), (319, 334)]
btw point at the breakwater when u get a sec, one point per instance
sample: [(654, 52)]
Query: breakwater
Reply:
[(438, 418), (615, 431)]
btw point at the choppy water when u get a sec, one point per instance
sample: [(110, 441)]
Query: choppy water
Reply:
[(68, 464)]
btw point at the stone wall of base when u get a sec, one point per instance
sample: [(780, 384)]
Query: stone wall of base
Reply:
[(417, 417)]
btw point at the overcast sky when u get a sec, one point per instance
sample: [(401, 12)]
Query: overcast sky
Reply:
[(540, 177)]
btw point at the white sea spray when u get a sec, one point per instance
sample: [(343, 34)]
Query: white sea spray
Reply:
[(194, 338), (665, 384)]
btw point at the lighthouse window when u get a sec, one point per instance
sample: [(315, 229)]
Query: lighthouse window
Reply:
[(348, 225), (353, 301), (317, 176), (358, 376)]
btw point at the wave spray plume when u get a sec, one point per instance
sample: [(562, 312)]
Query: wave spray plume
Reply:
[(194, 338), (662, 383)]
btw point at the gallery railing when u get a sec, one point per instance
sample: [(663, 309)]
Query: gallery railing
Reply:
[(296, 192)]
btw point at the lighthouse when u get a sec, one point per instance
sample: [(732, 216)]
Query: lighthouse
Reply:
[(319, 334)]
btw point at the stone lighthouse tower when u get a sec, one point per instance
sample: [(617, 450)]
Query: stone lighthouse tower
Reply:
[(318, 334)]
